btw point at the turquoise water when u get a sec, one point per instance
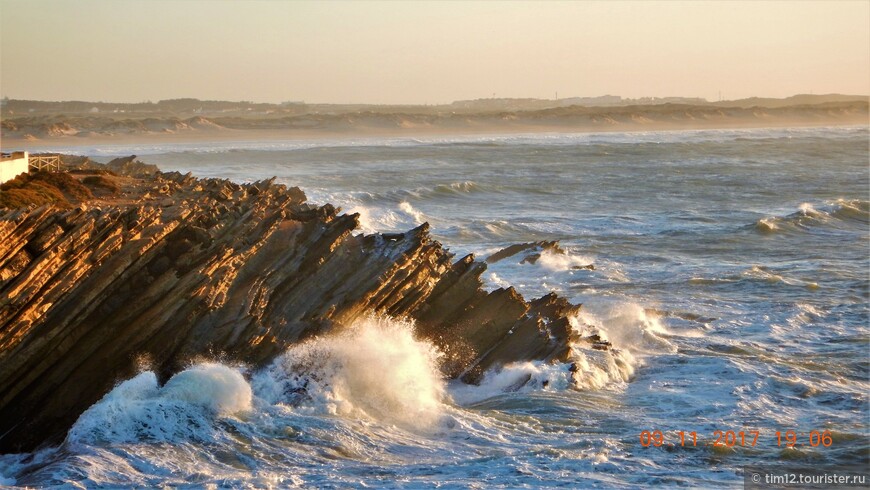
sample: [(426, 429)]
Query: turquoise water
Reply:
[(731, 273)]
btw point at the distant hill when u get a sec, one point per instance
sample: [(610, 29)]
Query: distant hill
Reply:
[(507, 104), (189, 107), (794, 100)]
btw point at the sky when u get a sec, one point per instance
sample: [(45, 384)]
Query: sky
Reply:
[(420, 52)]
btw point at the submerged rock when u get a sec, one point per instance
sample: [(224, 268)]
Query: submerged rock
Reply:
[(531, 251), (235, 271)]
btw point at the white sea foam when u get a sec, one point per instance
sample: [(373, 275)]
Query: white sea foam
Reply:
[(763, 273), (807, 209), (374, 368), (632, 331), (767, 225), (463, 187), (628, 325), (809, 215), (549, 139), (556, 261), (414, 214), (373, 219), (219, 388), (139, 409), (494, 281), (598, 369), (515, 377)]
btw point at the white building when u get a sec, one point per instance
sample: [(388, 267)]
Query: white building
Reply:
[(12, 165)]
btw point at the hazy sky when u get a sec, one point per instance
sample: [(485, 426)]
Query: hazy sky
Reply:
[(429, 52)]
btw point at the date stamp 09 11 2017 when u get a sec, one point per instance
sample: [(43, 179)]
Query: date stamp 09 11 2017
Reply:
[(732, 438)]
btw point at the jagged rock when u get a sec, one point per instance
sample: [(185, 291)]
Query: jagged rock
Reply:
[(589, 267), (131, 167), (533, 251), (238, 271)]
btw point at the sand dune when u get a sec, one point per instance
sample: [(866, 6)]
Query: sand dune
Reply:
[(572, 118)]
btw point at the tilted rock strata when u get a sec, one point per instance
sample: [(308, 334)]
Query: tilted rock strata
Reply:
[(212, 268)]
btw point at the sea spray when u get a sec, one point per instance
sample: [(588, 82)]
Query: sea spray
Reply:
[(373, 368), (415, 215), (632, 332), (563, 260), (628, 325), (519, 377), (185, 408), (219, 388), (373, 219)]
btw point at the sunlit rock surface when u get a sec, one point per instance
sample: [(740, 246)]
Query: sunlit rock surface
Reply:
[(184, 268)]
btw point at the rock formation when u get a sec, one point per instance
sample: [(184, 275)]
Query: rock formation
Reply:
[(192, 267)]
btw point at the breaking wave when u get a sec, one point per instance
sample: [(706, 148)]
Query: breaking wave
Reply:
[(612, 343), (808, 216), (563, 260), (375, 369), (184, 408), (374, 219)]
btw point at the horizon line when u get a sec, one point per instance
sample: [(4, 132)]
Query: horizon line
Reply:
[(6, 98)]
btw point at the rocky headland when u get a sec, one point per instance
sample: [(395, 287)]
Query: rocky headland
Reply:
[(143, 268)]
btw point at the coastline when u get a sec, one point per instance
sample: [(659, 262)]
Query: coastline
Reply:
[(250, 136), (172, 267), (371, 126), (638, 294)]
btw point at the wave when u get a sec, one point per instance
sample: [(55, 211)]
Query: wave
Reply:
[(765, 274), (630, 325), (183, 409), (457, 188), (474, 141), (392, 211), (374, 219), (562, 260), (612, 342), (489, 230), (634, 334), (375, 369), (754, 274), (520, 377), (808, 216), (371, 392), (439, 191)]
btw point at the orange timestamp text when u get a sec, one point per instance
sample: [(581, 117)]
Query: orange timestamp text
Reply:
[(731, 438)]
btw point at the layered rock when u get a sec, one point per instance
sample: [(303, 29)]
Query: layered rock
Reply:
[(194, 268)]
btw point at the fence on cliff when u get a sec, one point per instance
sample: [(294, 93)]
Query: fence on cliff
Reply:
[(50, 163)]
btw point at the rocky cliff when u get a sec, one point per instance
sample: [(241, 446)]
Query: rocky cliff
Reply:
[(183, 268)]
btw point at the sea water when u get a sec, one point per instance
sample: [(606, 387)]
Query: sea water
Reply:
[(730, 273)]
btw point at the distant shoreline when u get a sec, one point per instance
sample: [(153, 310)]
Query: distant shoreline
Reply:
[(52, 143), (47, 131)]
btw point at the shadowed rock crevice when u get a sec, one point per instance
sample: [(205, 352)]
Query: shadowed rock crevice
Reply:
[(204, 267)]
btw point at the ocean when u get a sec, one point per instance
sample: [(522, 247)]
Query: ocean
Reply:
[(731, 273)]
